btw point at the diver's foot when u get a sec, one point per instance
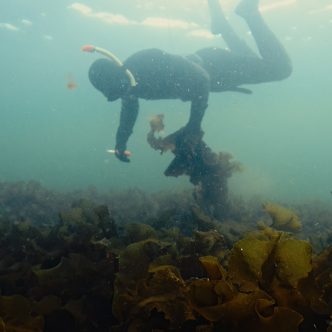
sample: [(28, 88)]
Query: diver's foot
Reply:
[(217, 17), (247, 7)]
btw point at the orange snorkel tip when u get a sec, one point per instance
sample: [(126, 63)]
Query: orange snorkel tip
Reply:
[(88, 48)]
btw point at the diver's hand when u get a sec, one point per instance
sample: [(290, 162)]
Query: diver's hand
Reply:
[(185, 136), (189, 135), (122, 154)]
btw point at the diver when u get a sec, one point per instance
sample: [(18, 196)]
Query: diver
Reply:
[(153, 74)]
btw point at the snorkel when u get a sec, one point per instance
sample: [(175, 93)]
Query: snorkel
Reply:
[(123, 155), (115, 59)]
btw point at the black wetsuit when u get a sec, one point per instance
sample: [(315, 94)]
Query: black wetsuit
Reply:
[(161, 75)]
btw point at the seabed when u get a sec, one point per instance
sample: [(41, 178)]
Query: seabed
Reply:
[(132, 261)]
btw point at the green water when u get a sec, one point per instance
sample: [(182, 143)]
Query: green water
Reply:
[(281, 133)]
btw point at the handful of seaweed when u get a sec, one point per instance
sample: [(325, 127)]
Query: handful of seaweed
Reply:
[(158, 143), (207, 170)]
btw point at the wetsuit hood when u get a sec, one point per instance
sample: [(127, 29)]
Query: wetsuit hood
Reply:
[(108, 78)]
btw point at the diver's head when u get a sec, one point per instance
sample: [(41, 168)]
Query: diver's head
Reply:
[(110, 79)]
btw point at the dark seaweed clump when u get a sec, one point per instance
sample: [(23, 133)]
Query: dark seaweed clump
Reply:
[(92, 261)]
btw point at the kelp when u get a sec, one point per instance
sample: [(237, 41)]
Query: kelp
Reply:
[(16, 315), (89, 273), (283, 218), (257, 291), (256, 258)]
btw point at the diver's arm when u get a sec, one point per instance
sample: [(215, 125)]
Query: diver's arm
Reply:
[(129, 112), (198, 106), (187, 137)]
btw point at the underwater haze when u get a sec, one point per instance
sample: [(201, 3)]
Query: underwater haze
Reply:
[(55, 127)]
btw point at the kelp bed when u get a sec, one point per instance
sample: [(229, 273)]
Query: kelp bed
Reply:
[(90, 261)]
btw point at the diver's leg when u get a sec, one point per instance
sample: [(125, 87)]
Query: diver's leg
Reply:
[(220, 25), (267, 43)]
